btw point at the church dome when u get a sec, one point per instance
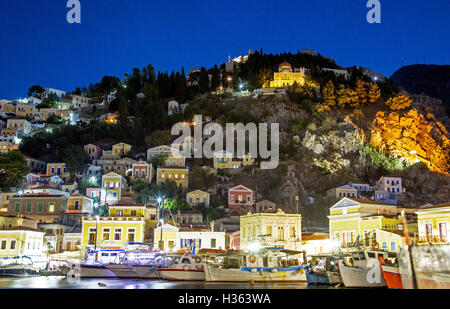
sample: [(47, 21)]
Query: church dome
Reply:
[(285, 66)]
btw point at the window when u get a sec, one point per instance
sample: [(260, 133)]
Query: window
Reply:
[(392, 245), (77, 205), (119, 212), (292, 231), (117, 234), (213, 243), (384, 245), (443, 231), (28, 207), (133, 213), (13, 244), (105, 234), (3, 245), (429, 231), (131, 234), (51, 207), (17, 207), (280, 233), (92, 236)]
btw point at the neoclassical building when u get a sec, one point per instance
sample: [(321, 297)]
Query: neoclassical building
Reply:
[(286, 76)]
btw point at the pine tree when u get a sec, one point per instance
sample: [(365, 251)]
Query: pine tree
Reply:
[(215, 79), (374, 93), (361, 91), (204, 80), (328, 95), (342, 96), (399, 102)]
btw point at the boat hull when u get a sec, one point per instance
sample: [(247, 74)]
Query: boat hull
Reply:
[(122, 271), (392, 276), (18, 271), (147, 272), (328, 278), (239, 275), (357, 277), (95, 271), (174, 274)]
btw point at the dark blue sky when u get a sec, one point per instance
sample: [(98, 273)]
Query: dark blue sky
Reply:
[(38, 46)]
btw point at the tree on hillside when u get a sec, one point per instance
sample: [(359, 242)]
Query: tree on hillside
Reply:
[(13, 169), (374, 93), (235, 78), (361, 91), (215, 79), (34, 90), (399, 102), (204, 80), (76, 159), (328, 97)]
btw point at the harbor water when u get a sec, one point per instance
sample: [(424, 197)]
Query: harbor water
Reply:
[(61, 282)]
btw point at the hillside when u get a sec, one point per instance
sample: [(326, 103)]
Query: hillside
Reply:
[(432, 80)]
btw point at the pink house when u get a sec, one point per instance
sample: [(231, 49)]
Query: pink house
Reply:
[(97, 193), (240, 200)]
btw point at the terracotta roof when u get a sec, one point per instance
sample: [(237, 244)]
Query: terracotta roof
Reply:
[(315, 237), (364, 201)]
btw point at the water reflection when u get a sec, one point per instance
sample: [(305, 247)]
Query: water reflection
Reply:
[(62, 283)]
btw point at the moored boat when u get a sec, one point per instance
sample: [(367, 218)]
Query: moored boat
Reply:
[(323, 270), (184, 268), (19, 266), (267, 266), (362, 270)]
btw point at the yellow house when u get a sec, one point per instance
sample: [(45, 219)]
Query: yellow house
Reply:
[(121, 149), (287, 77), (166, 242), (58, 169), (223, 159), (177, 174), (113, 184), (6, 107), (271, 228), (353, 219), (78, 203), (25, 110), (125, 224), (245, 160), (175, 159), (343, 191), (433, 223), (197, 197), (18, 241)]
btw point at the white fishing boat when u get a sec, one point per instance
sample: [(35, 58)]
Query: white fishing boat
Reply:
[(271, 265), (137, 264), (19, 266), (184, 268), (95, 264), (362, 269)]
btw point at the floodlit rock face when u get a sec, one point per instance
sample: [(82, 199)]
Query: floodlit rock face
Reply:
[(413, 136), (331, 149)]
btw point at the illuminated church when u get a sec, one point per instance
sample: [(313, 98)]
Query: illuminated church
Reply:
[(286, 76)]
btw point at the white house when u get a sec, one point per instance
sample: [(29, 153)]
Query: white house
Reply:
[(172, 107), (202, 240), (59, 93)]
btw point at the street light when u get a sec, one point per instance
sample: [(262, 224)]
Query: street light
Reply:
[(97, 218), (161, 221), (93, 179)]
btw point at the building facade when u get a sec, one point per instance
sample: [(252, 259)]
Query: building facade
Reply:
[(271, 228), (240, 200), (197, 197)]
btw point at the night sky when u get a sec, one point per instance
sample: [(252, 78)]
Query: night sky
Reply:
[(38, 46)]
